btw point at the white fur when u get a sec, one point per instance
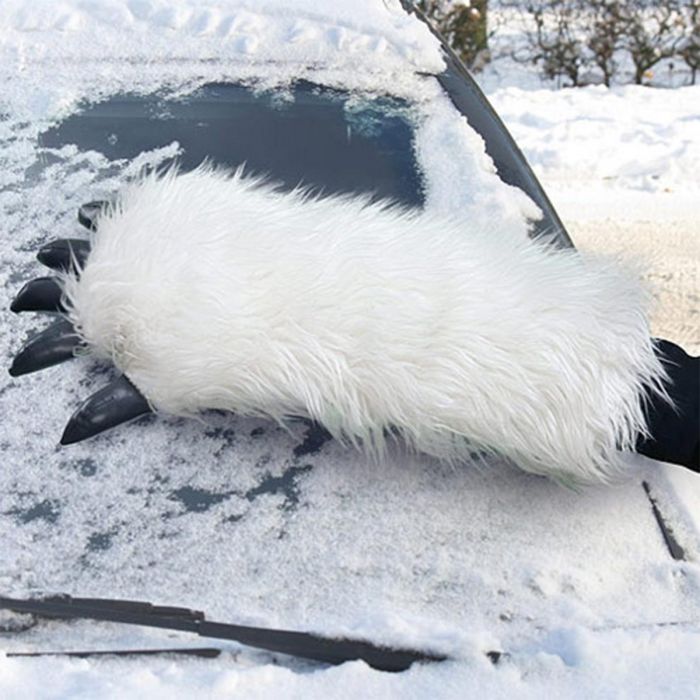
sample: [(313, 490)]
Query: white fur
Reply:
[(212, 290)]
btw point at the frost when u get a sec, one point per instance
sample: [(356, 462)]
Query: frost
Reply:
[(257, 524)]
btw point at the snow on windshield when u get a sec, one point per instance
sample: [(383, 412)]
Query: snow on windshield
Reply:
[(240, 518), (377, 33)]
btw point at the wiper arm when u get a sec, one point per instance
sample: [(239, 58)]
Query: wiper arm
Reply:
[(303, 644)]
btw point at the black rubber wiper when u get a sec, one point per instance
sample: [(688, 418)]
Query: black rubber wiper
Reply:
[(199, 652), (302, 644)]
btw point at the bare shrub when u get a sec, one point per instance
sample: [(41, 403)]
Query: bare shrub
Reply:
[(654, 30), (569, 38), (604, 34), (689, 49)]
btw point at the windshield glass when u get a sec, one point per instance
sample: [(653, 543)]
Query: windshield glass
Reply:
[(241, 517), (309, 135)]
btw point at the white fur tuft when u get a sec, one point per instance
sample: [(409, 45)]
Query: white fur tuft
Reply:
[(212, 290)]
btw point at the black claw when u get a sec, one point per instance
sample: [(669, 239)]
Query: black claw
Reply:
[(40, 294), (64, 254), (50, 347), (113, 405), (90, 212)]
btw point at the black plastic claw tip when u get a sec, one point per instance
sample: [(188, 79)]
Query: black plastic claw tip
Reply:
[(40, 294), (118, 402), (89, 213), (50, 347), (64, 254)]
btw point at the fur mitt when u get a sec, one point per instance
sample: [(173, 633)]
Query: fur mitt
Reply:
[(217, 290)]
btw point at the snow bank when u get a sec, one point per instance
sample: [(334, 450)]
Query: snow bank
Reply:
[(667, 251), (624, 153)]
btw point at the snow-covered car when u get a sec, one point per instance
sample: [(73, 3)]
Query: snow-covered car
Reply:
[(518, 582)]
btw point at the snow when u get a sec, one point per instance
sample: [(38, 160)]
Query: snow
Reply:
[(541, 673), (269, 30), (233, 516), (368, 42), (667, 251), (627, 152)]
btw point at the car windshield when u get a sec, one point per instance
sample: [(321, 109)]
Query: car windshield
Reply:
[(308, 135)]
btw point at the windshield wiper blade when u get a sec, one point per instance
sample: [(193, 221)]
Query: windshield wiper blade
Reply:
[(303, 644), (201, 652)]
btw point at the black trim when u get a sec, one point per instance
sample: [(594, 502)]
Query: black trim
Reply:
[(201, 652), (674, 549), (511, 164)]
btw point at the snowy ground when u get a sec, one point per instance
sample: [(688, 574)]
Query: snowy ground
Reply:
[(577, 588), (668, 253)]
